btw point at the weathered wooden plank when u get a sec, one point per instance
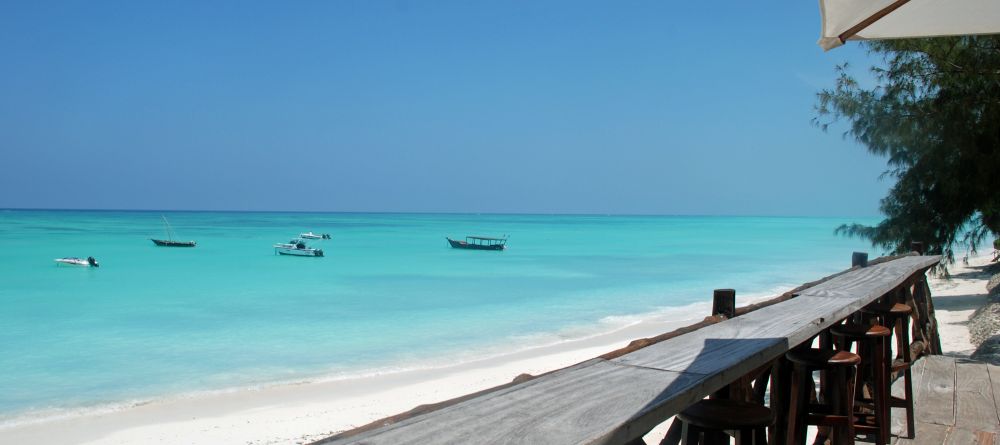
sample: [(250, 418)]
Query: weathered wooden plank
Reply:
[(615, 401), (975, 408), (927, 434), (897, 417), (734, 347), (962, 436), (994, 372), (937, 392), (594, 402), (872, 280)]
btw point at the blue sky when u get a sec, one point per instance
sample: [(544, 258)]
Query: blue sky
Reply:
[(645, 107)]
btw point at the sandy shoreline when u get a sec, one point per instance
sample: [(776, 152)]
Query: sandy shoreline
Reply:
[(292, 414), (297, 413), (956, 299)]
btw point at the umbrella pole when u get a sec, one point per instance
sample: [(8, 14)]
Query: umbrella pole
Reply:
[(852, 31)]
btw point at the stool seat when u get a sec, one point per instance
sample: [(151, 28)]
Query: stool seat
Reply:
[(727, 415), (857, 331), (888, 309), (823, 358)]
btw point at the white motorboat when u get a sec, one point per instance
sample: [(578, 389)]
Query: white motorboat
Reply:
[(296, 247), (74, 261), (310, 235)]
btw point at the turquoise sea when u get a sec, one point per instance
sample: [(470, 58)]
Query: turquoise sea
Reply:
[(156, 322)]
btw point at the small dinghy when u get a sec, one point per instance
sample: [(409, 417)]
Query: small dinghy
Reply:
[(310, 235), (74, 261)]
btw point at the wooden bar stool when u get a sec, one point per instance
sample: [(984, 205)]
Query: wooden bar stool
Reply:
[(713, 417), (896, 316), (871, 341), (837, 412)]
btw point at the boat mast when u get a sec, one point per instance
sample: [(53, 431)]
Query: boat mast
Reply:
[(170, 232)]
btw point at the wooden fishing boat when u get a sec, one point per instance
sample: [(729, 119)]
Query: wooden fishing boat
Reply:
[(170, 242), (479, 243)]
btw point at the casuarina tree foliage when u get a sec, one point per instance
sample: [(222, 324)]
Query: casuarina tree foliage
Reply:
[(934, 112)]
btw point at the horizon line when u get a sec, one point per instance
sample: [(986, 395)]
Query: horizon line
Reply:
[(386, 212)]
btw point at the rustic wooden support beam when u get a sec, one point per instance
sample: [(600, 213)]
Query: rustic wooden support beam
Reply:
[(859, 259), (724, 306), (935, 336), (724, 303), (918, 318), (917, 349)]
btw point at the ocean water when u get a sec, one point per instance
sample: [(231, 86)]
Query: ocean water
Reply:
[(155, 322)]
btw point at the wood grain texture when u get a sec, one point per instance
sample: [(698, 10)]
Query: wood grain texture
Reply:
[(897, 417), (593, 402), (962, 436), (975, 408), (878, 279), (734, 347), (994, 372), (937, 391), (927, 434)]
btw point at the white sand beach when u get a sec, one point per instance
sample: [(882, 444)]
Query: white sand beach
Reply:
[(295, 414)]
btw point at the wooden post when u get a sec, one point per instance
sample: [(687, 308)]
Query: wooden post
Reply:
[(917, 246), (724, 305), (934, 340), (859, 259), (921, 315), (724, 302)]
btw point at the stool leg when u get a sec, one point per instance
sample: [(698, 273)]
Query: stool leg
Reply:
[(888, 359), (836, 403), (715, 437), (673, 436), (907, 377), (824, 394), (851, 377), (781, 390), (689, 434), (881, 395), (745, 436), (760, 436), (797, 406)]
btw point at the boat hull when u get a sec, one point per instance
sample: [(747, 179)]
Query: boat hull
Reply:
[(310, 235), (298, 252), (464, 245), (170, 243), (74, 262)]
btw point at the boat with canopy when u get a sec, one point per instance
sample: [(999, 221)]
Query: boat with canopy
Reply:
[(479, 243)]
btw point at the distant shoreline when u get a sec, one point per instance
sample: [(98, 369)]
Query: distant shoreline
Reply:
[(456, 213)]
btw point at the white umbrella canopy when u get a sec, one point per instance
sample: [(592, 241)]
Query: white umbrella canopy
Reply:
[(892, 19)]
